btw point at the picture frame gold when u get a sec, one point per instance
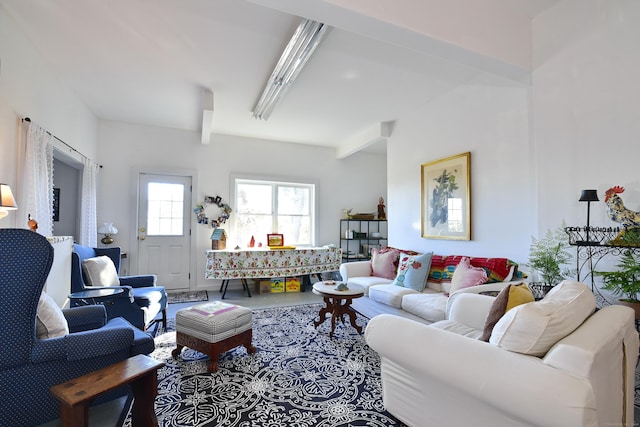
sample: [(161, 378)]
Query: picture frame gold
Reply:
[(446, 198), (275, 240)]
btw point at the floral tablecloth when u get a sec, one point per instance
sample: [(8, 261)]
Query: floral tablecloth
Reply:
[(257, 263)]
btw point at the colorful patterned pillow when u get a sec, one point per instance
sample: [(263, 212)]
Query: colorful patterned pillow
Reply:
[(436, 273), (497, 269), (413, 271), (467, 275), (384, 263)]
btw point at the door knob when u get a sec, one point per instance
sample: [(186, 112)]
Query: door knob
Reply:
[(141, 237), (142, 229)]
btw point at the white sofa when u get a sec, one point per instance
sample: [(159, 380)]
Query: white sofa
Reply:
[(428, 306), (434, 377)]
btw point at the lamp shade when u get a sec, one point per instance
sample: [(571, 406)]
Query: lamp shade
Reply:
[(589, 196), (6, 198), (107, 228)]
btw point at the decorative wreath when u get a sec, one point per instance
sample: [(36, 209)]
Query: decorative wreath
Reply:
[(202, 217)]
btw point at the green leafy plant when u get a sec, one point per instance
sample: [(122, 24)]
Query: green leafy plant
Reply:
[(549, 254), (626, 280)]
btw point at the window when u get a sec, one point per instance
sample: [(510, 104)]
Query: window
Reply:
[(164, 209), (264, 207)]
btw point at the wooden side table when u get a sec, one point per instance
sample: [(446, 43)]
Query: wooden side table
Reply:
[(337, 303), (140, 371)]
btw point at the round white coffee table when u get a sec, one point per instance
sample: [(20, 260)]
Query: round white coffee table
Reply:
[(337, 303)]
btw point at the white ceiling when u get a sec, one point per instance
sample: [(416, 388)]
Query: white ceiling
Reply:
[(148, 62)]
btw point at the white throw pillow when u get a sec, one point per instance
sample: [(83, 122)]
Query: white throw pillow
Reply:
[(50, 322), (100, 271), (535, 327)]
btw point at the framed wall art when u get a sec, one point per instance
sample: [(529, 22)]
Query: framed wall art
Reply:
[(446, 198), (275, 240)]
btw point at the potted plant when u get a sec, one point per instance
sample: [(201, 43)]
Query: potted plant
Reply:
[(548, 256), (625, 281)]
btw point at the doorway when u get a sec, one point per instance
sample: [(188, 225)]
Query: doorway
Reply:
[(164, 229)]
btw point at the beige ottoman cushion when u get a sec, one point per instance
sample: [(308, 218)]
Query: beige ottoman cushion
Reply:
[(213, 321)]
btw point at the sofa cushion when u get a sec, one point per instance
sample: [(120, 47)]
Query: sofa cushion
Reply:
[(428, 305), (389, 294), (535, 327), (467, 276), (457, 328), (50, 322), (413, 271), (508, 298), (368, 281), (384, 263), (100, 271)]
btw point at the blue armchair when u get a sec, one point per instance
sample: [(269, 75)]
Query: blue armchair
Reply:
[(29, 366), (142, 300)]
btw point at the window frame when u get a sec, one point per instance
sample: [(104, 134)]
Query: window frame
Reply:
[(235, 179)]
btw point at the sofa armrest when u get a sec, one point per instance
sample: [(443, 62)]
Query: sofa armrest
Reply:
[(487, 287), (469, 309), (430, 365), (355, 269)]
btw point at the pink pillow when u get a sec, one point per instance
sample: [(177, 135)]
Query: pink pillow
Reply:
[(384, 263), (467, 275)]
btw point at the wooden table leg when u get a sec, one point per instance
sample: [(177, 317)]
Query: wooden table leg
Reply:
[(145, 390), (328, 308), (74, 416)]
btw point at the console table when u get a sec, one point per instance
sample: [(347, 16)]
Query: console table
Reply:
[(592, 245), (255, 263)]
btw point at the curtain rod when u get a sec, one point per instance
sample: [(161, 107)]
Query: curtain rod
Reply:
[(27, 119)]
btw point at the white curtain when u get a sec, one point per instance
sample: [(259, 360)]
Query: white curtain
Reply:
[(36, 188), (88, 215)]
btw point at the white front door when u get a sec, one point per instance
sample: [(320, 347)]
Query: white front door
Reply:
[(164, 234)]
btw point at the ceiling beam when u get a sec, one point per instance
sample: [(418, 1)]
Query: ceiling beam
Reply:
[(373, 135), (207, 115)]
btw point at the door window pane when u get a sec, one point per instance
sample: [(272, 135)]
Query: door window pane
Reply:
[(165, 207)]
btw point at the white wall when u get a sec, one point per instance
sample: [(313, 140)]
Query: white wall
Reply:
[(586, 106), (28, 87), (355, 182), (490, 118)]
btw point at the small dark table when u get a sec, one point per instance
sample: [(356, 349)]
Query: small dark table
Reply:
[(94, 296), (337, 303)]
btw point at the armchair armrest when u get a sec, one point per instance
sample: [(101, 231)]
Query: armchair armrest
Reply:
[(428, 365), (83, 345), (142, 281), (355, 269), (85, 318)]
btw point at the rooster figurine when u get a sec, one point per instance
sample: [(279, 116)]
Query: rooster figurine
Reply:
[(616, 210)]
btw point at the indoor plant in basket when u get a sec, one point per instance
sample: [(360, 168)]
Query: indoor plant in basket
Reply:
[(549, 256), (625, 281)]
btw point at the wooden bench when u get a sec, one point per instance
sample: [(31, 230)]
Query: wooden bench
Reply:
[(139, 371)]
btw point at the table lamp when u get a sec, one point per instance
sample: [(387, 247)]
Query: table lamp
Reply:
[(588, 196), (7, 202), (108, 229)]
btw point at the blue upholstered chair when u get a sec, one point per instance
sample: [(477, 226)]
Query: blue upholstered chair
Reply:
[(142, 300), (29, 366)]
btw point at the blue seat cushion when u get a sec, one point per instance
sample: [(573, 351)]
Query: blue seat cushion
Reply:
[(146, 297)]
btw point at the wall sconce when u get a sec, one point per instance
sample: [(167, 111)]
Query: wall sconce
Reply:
[(108, 229), (588, 196), (7, 202)]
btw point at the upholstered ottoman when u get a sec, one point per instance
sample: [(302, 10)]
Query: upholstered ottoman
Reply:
[(213, 328)]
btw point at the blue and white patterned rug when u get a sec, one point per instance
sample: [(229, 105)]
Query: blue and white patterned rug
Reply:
[(298, 377)]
